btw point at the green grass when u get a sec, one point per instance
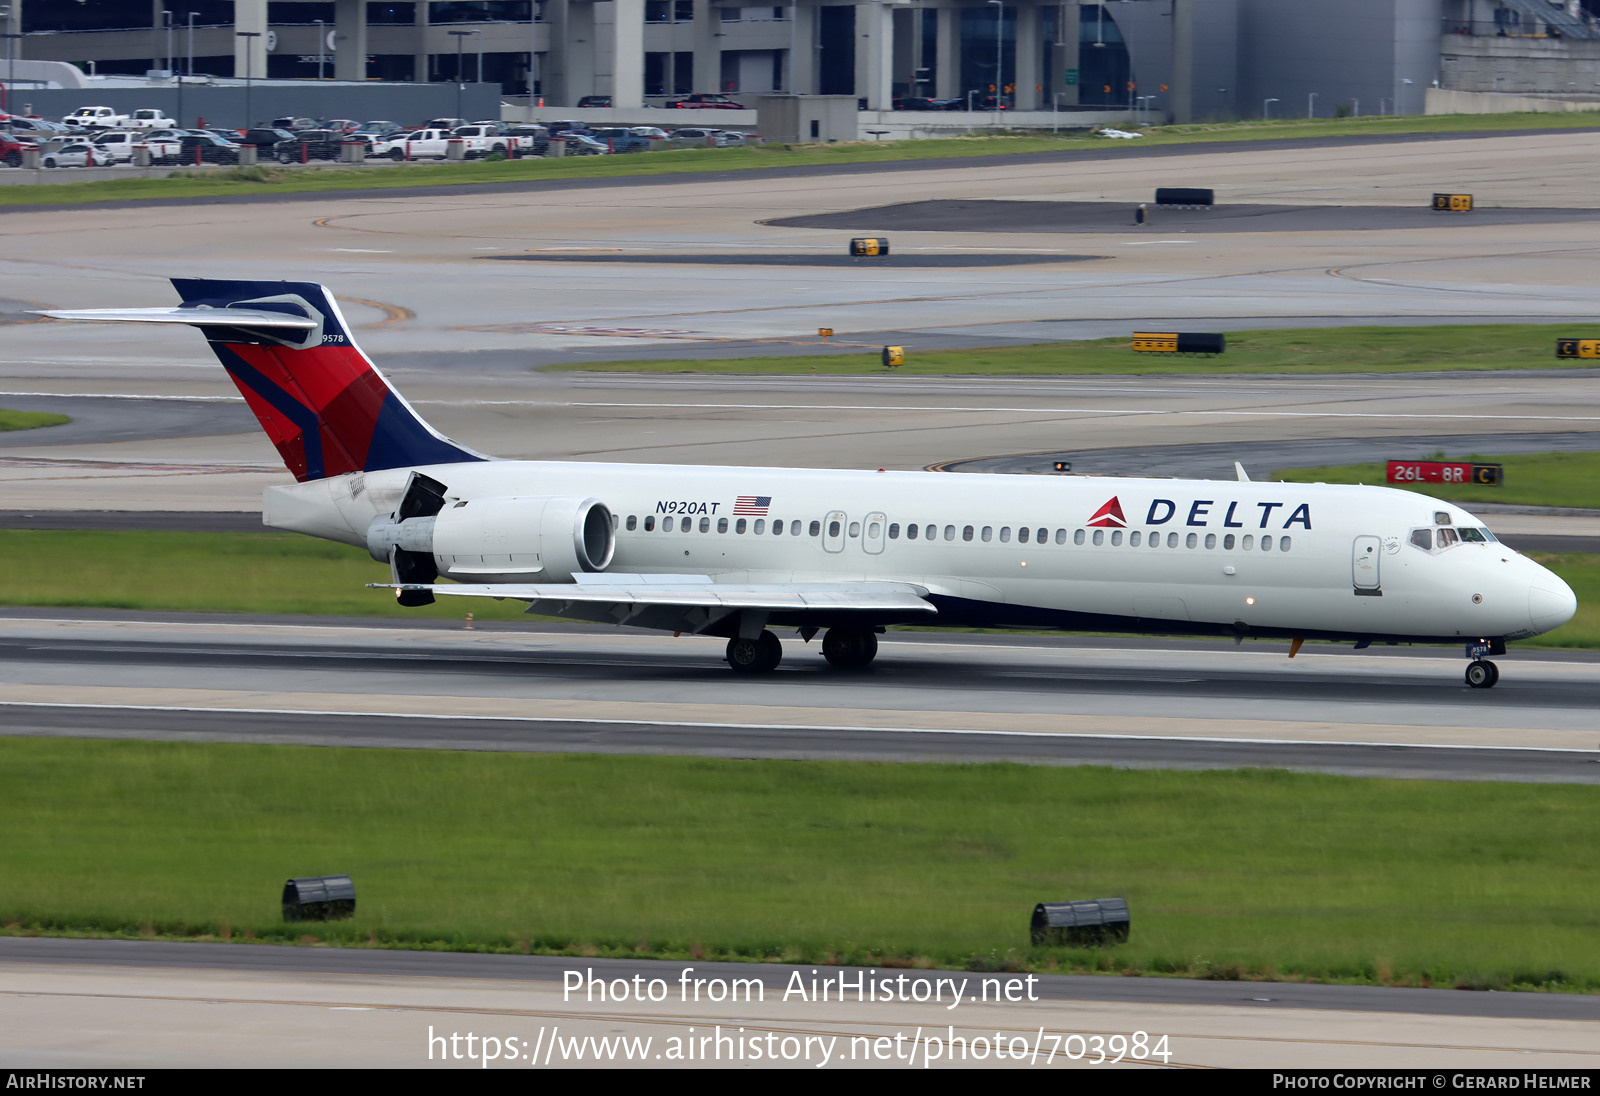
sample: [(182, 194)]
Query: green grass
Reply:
[(29, 420), (266, 572), (266, 179), (1298, 350), (271, 572), (1533, 479), (1253, 874)]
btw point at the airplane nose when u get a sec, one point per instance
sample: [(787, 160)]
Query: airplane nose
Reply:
[(1551, 603)]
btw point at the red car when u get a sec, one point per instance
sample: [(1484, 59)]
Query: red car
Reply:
[(704, 102), (11, 150)]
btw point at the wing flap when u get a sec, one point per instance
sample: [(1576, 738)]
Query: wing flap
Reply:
[(889, 597)]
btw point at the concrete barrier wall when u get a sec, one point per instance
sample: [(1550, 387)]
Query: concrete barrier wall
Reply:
[(1444, 101), (893, 125)]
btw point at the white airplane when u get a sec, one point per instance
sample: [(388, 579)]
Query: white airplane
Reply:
[(735, 552)]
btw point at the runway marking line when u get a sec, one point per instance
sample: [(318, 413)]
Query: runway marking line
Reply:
[(1066, 736), (821, 1029)]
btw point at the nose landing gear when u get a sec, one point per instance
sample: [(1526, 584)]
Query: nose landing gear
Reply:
[(1482, 674)]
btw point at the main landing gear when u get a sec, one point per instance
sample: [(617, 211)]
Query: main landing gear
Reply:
[(755, 656), (844, 648), (1482, 674), (850, 648)]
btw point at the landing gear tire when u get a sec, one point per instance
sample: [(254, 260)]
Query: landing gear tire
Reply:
[(755, 656), (1482, 674), (850, 648)]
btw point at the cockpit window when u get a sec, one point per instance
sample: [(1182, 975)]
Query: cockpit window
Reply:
[(1422, 538), (1447, 537), (1470, 534)]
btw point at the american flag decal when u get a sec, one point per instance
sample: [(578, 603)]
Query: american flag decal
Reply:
[(753, 506)]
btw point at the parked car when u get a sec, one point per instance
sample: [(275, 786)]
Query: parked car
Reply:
[(149, 118), (696, 137), (116, 146), (306, 145), (94, 118), (11, 150), (293, 124), (380, 128), (431, 144), (535, 139), (73, 154), (704, 102), (621, 140), (341, 125), (35, 127), (579, 144), (444, 123), (264, 138), (595, 101), (649, 131), (213, 150)]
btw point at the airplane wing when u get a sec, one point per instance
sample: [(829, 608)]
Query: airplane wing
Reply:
[(691, 602)]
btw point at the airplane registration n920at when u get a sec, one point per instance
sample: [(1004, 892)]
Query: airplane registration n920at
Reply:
[(734, 552)]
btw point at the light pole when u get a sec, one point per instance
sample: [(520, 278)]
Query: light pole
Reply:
[(999, 34), (1311, 105), (322, 41), (249, 37), (166, 21), (460, 82), (188, 64), (1266, 109), (11, 61), (533, 54)]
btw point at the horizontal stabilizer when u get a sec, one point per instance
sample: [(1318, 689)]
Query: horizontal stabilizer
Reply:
[(207, 317)]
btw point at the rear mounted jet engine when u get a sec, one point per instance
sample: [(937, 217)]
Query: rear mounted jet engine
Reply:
[(501, 540)]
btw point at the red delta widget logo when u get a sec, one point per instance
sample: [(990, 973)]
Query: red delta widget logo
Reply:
[(1199, 514)]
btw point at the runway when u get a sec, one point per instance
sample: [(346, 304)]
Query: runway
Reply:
[(929, 697), (152, 1005)]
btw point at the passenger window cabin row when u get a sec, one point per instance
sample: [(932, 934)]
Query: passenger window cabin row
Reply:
[(1039, 535)]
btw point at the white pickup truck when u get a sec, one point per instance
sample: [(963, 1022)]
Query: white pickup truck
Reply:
[(149, 118), (432, 144), (95, 118), (495, 141), (117, 147)]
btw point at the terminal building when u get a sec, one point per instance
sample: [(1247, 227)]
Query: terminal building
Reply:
[(1184, 60)]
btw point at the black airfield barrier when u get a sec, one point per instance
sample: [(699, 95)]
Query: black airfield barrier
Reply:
[(1185, 196), (1084, 923), (319, 898)]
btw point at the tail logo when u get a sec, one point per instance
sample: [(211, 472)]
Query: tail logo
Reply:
[(1108, 516)]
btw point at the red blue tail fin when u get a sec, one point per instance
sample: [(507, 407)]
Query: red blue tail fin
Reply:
[(319, 398)]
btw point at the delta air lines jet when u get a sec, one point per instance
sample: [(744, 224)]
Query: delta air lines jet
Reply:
[(736, 552)]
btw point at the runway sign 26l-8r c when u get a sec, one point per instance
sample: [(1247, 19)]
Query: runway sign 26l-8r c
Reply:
[(1444, 471)]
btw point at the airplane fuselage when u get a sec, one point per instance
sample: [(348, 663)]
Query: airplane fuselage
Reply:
[(1180, 556)]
